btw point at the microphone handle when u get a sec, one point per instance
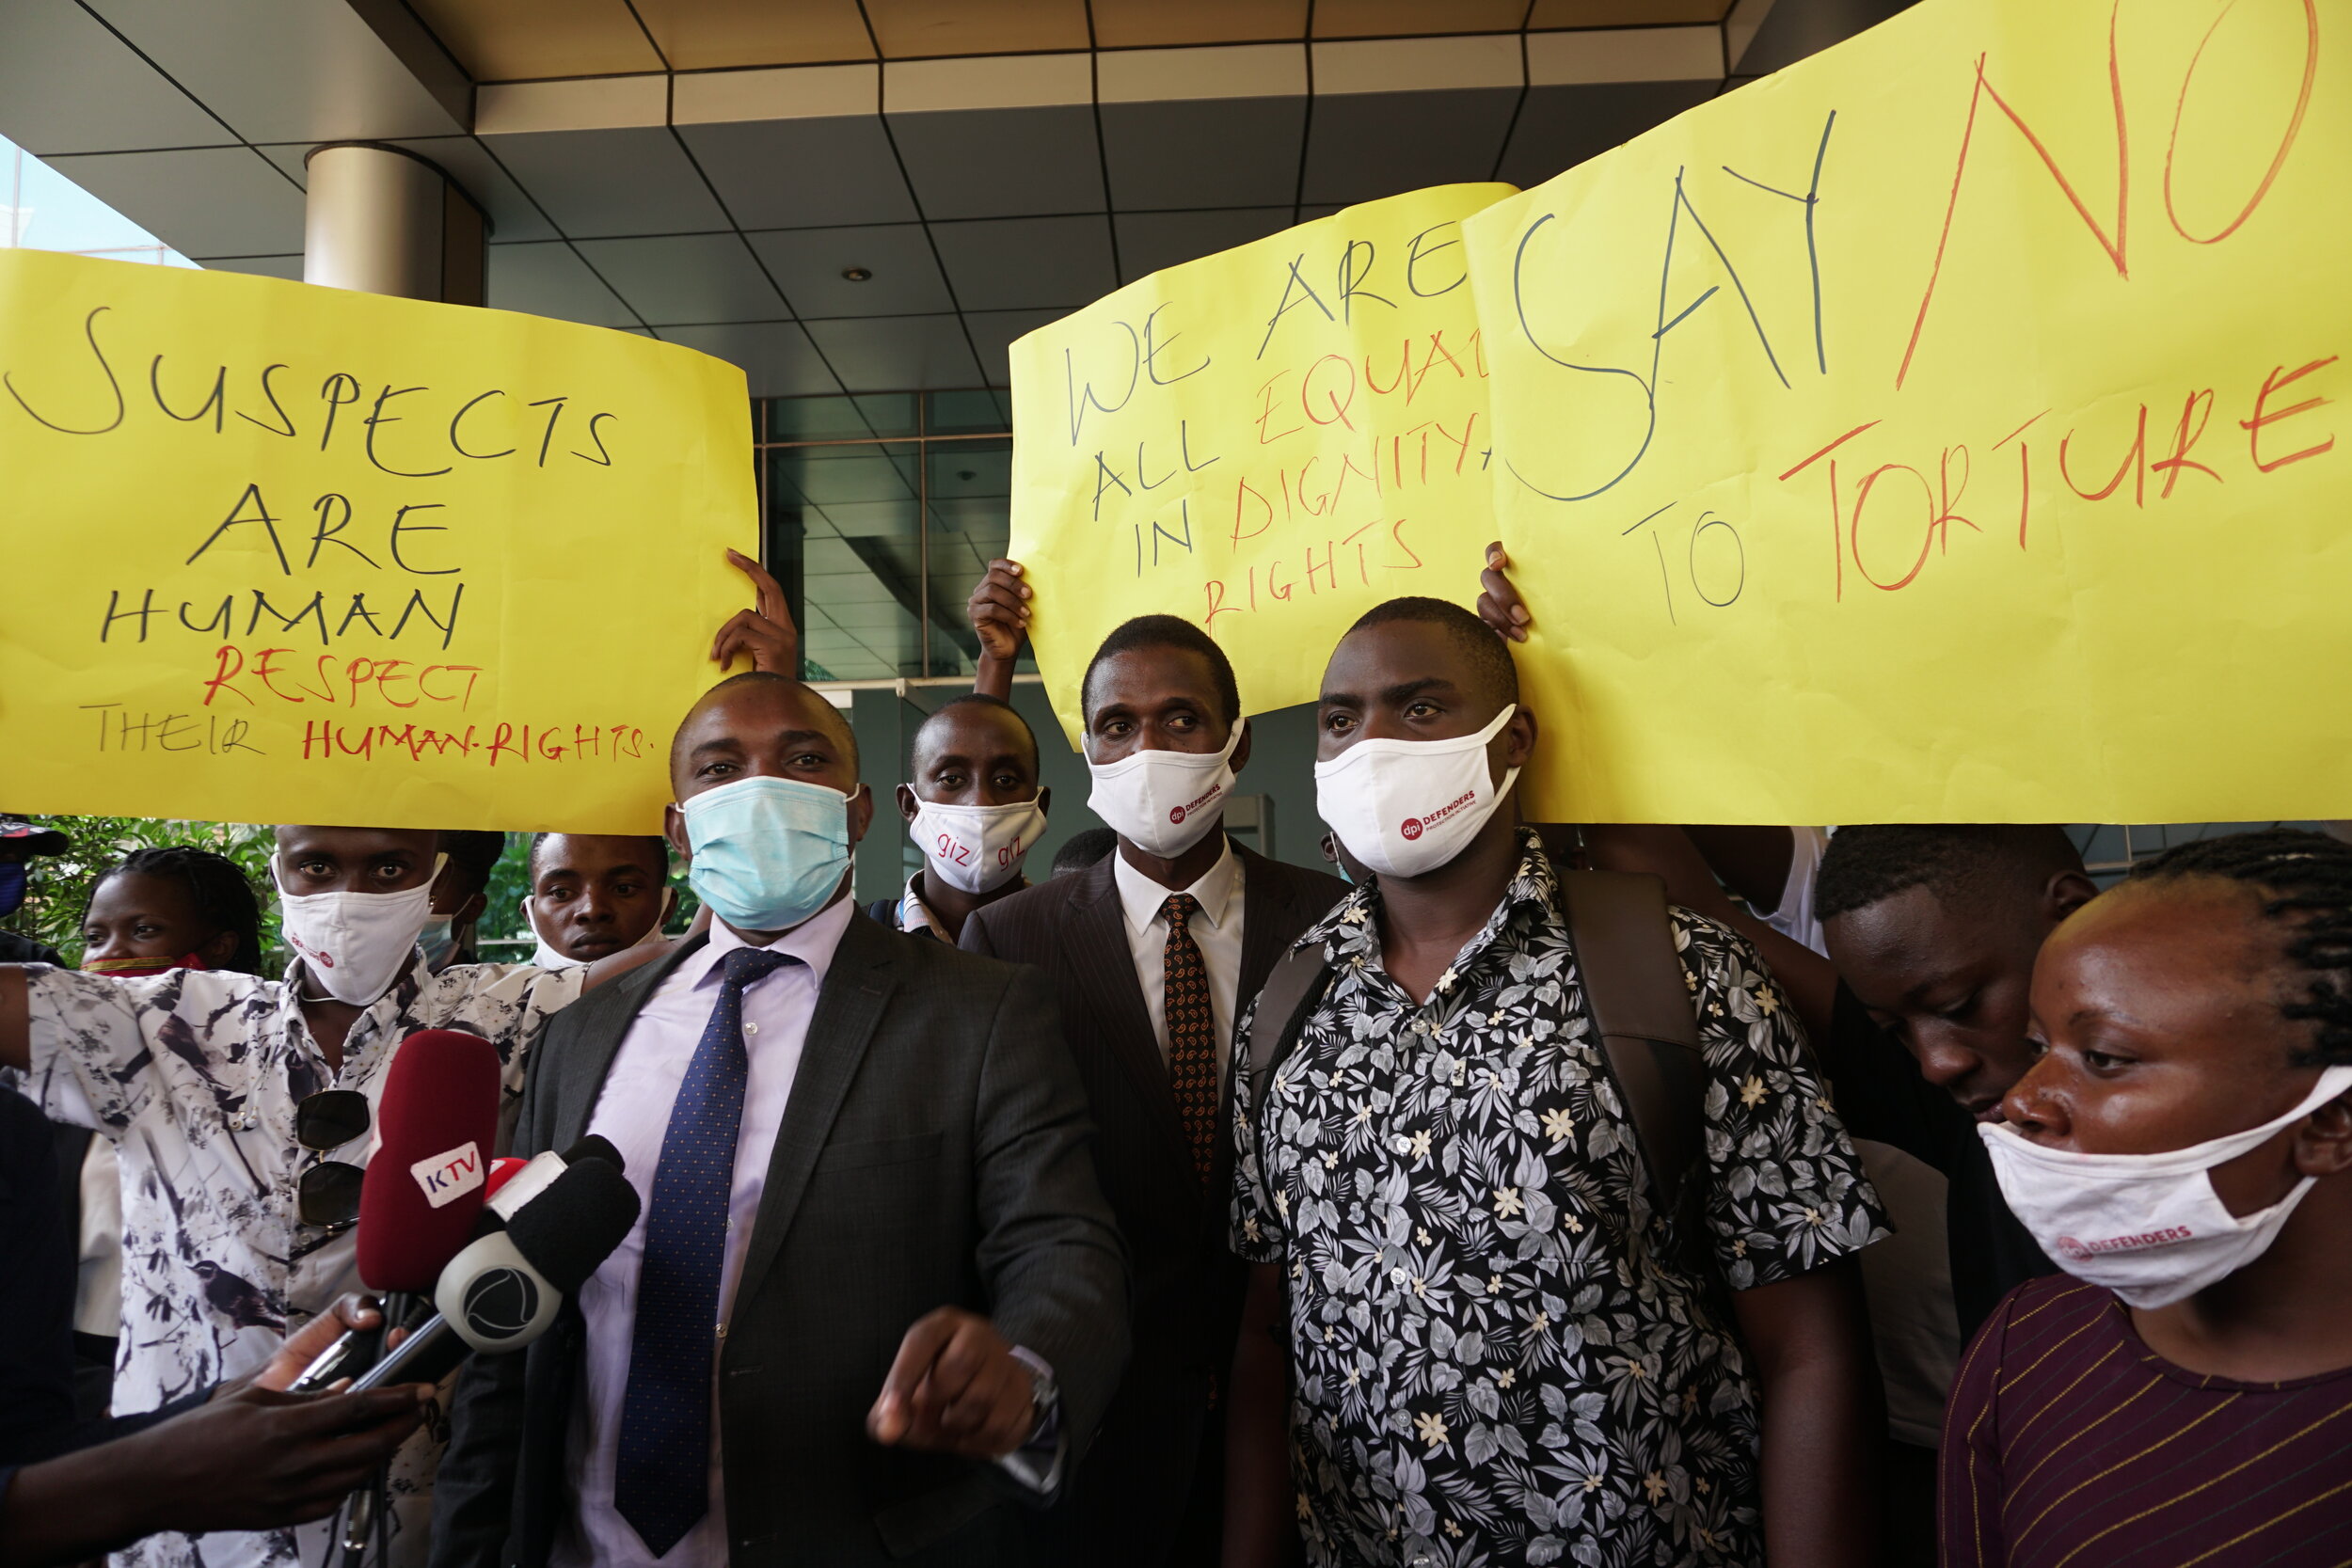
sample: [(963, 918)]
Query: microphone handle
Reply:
[(430, 1353)]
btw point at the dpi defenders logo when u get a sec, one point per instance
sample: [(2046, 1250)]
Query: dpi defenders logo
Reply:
[(1416, 826), (1177, 814), (2077, 1251)]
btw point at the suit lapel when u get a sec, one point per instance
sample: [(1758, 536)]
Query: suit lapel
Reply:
[(600, 1041), (850, 1004), (1094, 933), (1265, 896)]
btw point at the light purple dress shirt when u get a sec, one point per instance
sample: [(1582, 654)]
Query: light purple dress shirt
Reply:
[(634, 1111)]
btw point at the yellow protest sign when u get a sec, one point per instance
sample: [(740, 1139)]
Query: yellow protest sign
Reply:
[(1946, 429), (1267, 441), (277, 553)]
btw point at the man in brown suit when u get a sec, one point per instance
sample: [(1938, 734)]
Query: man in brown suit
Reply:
[(1153, 952)]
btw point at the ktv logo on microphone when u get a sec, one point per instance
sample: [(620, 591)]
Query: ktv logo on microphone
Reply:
[(449, 1176)]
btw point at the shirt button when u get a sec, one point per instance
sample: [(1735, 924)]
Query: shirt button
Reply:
[(750, 1028), (1405, 1146)]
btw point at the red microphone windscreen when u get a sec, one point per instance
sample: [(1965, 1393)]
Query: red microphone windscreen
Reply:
[(435, 1123)]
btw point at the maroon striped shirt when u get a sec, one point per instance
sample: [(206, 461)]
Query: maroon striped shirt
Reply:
[(2069, 1442)]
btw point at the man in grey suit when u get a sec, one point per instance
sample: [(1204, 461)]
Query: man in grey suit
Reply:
[(872, 1236)]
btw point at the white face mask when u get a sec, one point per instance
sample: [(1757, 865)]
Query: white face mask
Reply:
[(355, 945), (2148, 1227), (546, 957), (1165, 803), (1404, 807), (976, 848)]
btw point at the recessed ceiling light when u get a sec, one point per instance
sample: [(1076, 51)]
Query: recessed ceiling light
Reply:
[(856, 275)]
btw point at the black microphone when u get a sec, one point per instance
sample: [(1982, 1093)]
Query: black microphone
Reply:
[(504, 1289)]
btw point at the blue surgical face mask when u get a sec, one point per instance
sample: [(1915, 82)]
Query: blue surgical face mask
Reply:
[(767, 852), (439, 941), (11, 886)]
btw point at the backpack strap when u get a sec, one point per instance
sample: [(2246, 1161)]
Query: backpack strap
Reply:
[(1644, 1011), (1292, 988)]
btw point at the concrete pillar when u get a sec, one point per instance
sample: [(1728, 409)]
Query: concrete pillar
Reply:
[(387, 222)]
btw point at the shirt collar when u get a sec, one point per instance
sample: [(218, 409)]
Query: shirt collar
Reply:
[(812, 941), (915, 915), (1353, 928), (1142, 898)]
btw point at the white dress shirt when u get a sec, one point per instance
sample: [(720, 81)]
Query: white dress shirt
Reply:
[(633, 1111), (1216, 931)]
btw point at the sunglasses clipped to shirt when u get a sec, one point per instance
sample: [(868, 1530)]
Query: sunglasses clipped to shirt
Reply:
[(328, 1192)]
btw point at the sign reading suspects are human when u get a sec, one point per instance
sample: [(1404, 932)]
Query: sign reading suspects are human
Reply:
[(282, 553), (1267, 441), (1948, 428)]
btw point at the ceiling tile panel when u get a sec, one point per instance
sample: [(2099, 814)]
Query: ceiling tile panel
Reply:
[(1625, 13), (1365, 146), (917, 29), (890, 353), (1560, 127), (513, 40), (687, 278), (808, 264), (775, 357), (992, 332), (1625, 54), (704, 35), (983, 164), (284, 70), (1028, 263), (597, 183), (547, 278), (1363, 18), (1234, 152), (67, 85), (800, 173), (1149, 23), (1150, 240), (210, 202)]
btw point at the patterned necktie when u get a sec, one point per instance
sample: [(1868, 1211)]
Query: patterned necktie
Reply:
[(1191, 1034), (661, 1479)]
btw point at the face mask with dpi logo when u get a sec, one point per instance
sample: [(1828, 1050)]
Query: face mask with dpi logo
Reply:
[(2148, 1227), (1165, 803), (1405, 807), (355, 945)]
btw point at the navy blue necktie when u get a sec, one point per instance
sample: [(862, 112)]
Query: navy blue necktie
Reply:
[(661, 1479)]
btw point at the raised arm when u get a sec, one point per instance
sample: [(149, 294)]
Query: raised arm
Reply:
[(764, 634), (999, 608)]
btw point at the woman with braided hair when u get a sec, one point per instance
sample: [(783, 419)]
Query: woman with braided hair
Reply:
[(2183, 1147), (175, 907)]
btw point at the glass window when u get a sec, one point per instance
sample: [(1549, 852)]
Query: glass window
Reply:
[(879, 540), (42, 210)]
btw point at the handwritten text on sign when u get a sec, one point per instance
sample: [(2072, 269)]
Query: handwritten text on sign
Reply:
[(283, 553), (1267, 442), (1946, 429)]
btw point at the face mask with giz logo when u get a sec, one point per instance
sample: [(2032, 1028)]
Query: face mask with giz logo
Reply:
[(976, 849)]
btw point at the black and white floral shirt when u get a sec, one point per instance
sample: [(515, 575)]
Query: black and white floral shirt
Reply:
[(1496, 1358), (195, 1075)]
